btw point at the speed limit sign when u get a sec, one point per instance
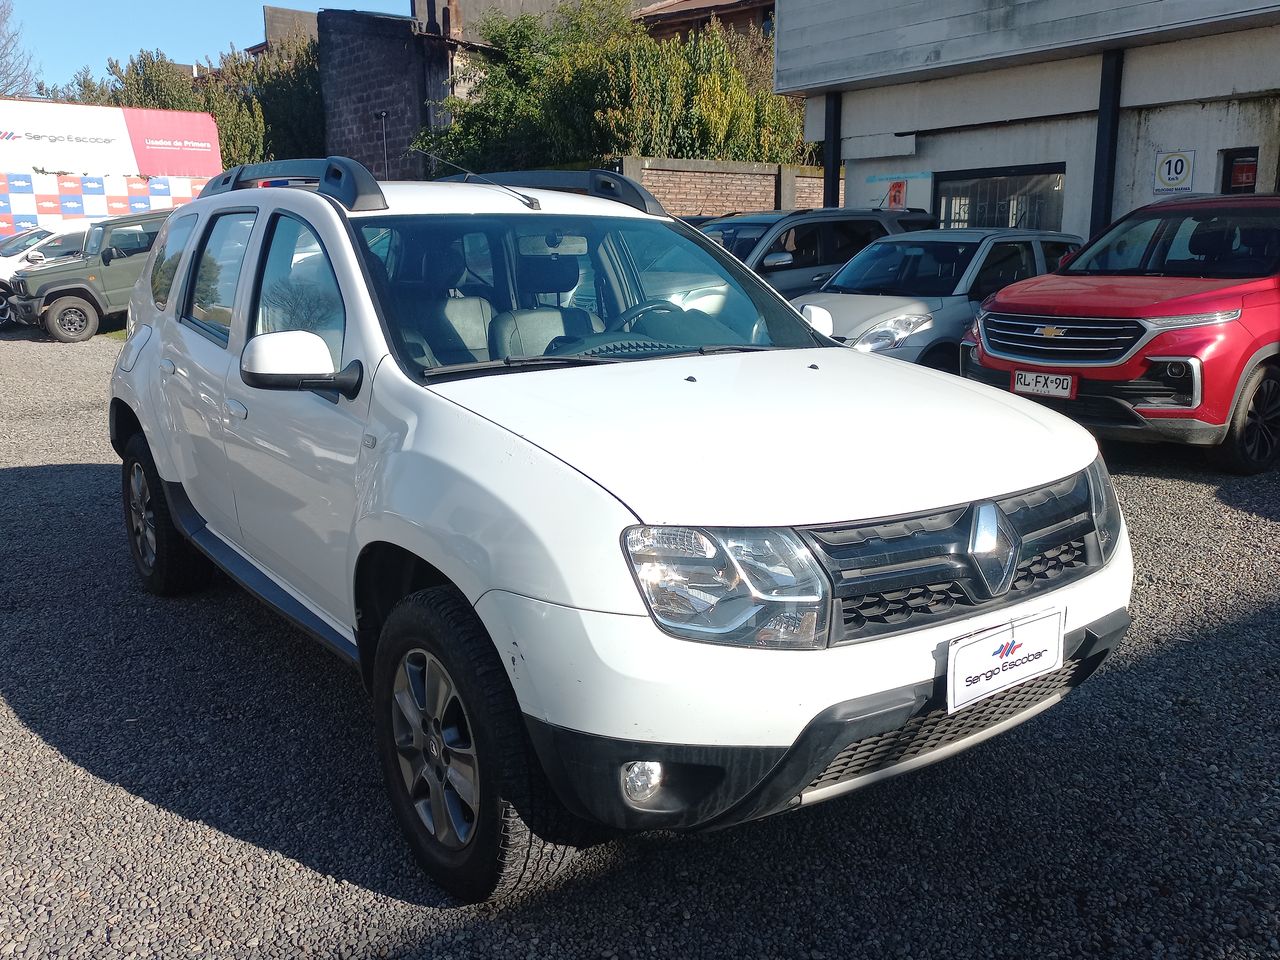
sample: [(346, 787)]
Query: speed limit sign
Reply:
[(1174, 171)]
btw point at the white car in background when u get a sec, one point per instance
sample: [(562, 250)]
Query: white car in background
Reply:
[(913, 296), (34, 246)]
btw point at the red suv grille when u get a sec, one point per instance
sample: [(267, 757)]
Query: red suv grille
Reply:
[(1060, 339)]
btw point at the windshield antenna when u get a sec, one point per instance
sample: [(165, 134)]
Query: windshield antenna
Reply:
[(530, 202)]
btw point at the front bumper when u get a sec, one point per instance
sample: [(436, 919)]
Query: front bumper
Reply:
[(27, 309), (1109, 408), (848, 746)]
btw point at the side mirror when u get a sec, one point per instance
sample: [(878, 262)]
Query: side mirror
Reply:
[(296, 360), (35, 256), (111, 253), (776, 261), (819, 318)]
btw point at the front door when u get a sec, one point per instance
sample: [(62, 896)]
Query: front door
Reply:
[(293, 454), (796, 277), (124, 254)]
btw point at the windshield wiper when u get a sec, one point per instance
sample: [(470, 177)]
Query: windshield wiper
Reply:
[(512, 363), (732, 348)]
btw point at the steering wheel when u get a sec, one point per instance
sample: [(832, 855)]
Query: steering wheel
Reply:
[(627, 319)]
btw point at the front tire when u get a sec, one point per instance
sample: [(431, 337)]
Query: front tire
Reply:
[(166, 561), (1252, 443), (71, 319), (464, 784)]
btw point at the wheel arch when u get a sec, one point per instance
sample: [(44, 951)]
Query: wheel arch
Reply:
[(1268, 355), (50, 294), (385, 573), (123, 423)]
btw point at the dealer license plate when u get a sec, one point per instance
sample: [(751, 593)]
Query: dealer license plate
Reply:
[(982, 664), (1044, 384)]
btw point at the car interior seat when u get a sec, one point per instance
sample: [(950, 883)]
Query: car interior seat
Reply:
[(435, 322), (528, 332)]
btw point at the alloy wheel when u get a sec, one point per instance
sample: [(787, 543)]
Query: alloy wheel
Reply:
[(72, 321), (433, 737), (142, 518), (1262, 422)]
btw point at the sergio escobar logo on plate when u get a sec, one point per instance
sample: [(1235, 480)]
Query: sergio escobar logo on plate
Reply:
[(1005, 650)]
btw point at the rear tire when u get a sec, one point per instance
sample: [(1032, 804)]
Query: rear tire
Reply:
[(166, 561), (464, 783), (71, 319), (1252, 443)]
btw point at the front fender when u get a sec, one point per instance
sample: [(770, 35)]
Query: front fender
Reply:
[(488, 509)]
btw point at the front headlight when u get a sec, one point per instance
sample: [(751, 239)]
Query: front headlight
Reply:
[(743, 587), (1107, 520), (1193, 319), (890, 333)]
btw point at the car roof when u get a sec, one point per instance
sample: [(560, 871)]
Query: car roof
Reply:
[(1242, 200), (972, 234), (773, 216), (134, 218), (443, 197)]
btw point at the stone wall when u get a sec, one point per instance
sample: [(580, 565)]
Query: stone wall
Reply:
[(690, 188), (370, 63)]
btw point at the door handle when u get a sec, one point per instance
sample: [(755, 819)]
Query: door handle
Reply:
[(234, 408), (167, 367)]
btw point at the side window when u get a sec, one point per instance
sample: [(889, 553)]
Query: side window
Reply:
[(842, 239), (63, 246), (173, 240), (298, 289), (1006, 263), (801, 242), (1054, 251), (217, 273)]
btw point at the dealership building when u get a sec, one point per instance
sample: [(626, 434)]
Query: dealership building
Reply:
[(1036, 114)]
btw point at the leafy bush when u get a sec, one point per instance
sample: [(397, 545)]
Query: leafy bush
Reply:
[(589, 85)]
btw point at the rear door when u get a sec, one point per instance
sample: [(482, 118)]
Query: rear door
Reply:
[(195, 359)]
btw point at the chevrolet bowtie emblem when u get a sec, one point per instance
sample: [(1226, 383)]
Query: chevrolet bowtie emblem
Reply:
[(1050, 332)]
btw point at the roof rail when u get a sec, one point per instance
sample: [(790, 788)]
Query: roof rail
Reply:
[(343, 179), (604, 184)]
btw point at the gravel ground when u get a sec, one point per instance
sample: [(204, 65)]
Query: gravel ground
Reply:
[(194, 777)]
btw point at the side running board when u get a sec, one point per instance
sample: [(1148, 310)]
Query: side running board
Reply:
[(193, 527)]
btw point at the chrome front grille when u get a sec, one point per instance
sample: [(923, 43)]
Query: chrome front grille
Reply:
[(1068, 340), (905, 573)]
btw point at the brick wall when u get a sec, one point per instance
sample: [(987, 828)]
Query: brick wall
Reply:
[(373, 62), (690, 188)]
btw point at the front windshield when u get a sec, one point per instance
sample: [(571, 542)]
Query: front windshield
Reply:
[(500, 289), (23, 241), (1213, 243), (906, 268), (739, 237)]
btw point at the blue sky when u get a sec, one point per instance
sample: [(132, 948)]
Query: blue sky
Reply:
[(64, 35)]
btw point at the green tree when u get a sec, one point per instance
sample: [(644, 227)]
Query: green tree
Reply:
[(267, 107), (589, 84)]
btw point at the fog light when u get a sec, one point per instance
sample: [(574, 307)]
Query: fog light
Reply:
[(641, 779), (1176, 370)]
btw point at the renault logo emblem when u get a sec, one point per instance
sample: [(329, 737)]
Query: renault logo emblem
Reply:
[(1050, 332), (993, 546)]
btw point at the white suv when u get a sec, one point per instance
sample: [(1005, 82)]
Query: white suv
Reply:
[(614, 538)]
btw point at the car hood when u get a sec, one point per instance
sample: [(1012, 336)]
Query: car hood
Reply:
[(1058, 295), (854, 313), (780, 438)]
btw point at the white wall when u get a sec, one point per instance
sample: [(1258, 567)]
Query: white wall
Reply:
[(850, 43), (1067, 140)]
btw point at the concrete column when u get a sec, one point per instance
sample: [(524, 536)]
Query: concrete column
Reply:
[(1108, 140), (832, 139)]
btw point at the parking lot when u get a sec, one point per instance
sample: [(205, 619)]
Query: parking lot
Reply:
[(195, 777)]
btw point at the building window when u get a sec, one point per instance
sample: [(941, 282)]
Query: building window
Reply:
[(1026, 197), (1240, 170)]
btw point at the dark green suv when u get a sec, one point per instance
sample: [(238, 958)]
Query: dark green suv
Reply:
[(70, 297)]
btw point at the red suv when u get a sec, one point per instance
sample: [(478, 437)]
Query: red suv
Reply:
[(1165, 327)]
